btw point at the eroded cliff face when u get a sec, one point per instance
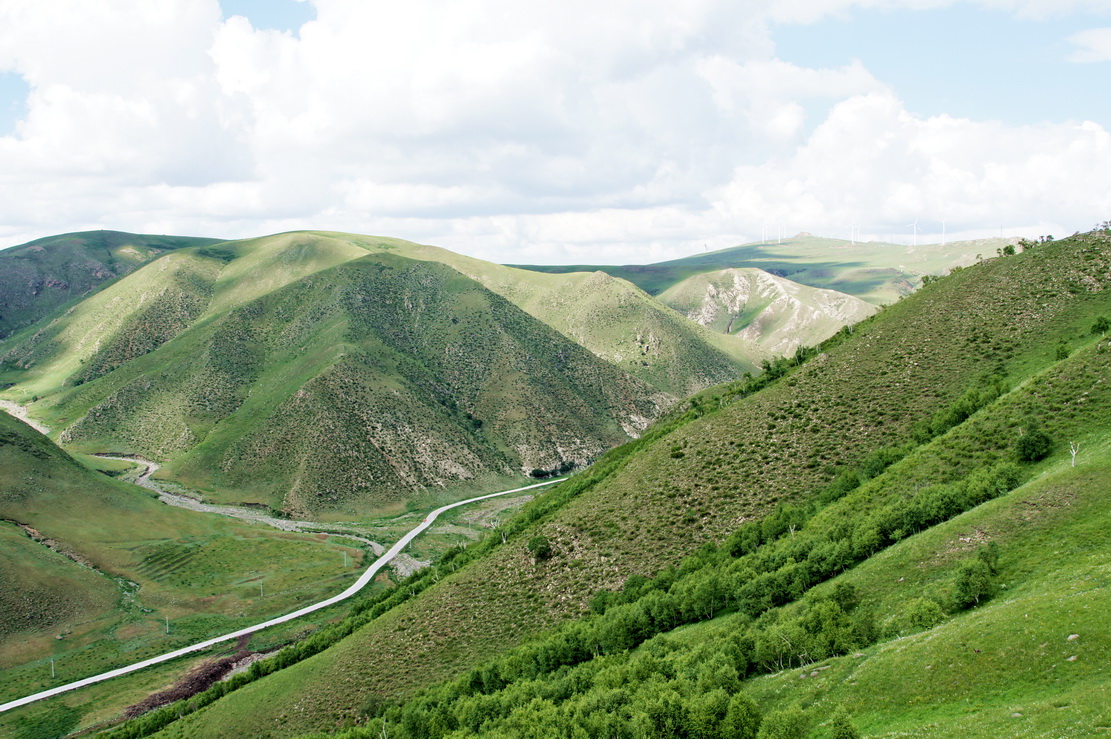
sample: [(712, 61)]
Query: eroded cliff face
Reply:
[(773, 312)]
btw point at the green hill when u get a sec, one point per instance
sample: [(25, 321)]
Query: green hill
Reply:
[(611, 317), (323, 390), (877, 272), (908, 437), (95, 570), (773, 312), (40, 276)]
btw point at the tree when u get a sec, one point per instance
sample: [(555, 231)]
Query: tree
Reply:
[(786, 723), (742, 719), (1033, 445), (973, 583), (1102, 325)]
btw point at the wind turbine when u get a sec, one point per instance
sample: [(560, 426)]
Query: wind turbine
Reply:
[(852, 233), (943, 232), (915, 226)]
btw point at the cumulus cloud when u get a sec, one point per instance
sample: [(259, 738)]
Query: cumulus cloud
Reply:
[(513, 131), (873, 163), (1093, 45)]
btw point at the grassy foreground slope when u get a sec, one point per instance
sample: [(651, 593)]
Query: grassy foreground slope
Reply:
[(689, 482), (877, 272), (905, 641), (773, 312), (103, 565), (38, 277)]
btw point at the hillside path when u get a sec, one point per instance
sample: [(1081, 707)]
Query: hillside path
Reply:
[(358, 585), (15, 409), (241, 512)]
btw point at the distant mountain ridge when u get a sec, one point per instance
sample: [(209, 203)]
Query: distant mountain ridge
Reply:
[(877, 272), (39, 276)]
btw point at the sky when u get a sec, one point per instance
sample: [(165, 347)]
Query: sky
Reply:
[(559, 133)]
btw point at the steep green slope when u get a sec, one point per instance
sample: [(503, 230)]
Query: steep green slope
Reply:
[(134, 316), (358, 388), (610, 317), (38, 277), (93, 568), (877, 272), (895, 377), (759, 307)]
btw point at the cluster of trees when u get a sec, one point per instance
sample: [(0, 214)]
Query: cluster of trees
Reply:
[(668, 688), (762, 566)]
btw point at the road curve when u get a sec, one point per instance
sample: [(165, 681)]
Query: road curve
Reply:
[(358, 585)]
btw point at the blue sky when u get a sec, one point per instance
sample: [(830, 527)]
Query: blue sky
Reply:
[(278, 15), (964, 61), (634, 130)]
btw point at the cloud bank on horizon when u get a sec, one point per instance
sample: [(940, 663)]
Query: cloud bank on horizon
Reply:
[(551, 133)]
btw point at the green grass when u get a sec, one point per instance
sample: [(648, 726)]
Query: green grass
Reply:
[(867, 389), (40, 277), (133, 562), (970, 675)]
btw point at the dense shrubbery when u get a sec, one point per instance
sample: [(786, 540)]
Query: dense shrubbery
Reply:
[(763, 565)]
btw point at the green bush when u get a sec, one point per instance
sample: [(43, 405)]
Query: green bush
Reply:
[(841, 726), (1033, 445), (917, 614), (786, 723), (973, 583), (540, 548)]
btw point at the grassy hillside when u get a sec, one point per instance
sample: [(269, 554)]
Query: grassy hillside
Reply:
[(38, 277), (93, 568), (758, 307), (877, 272), (612, 318), (905, 381), (356, 388)]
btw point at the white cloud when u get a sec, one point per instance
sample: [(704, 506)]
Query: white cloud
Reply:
[(1094, 45), (514, 131), (875, 163)]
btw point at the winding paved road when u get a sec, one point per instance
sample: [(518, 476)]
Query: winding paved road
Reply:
[(359, 584)]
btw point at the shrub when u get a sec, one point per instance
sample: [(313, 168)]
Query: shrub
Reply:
[(917, 614), (1102, 325), (786, 723), (1033, 445), (841, 726), (540, 548), (973, 583)]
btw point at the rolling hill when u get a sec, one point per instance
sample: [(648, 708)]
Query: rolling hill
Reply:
[(877, 272), (98, 573), (311, 376), (915, 438), (758, 307), (39, 277)]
